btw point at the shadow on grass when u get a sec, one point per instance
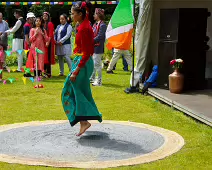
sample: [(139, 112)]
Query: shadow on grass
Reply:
[(112, 85), (55, 79)]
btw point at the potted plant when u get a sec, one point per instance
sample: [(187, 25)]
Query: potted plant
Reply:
[(176, 79)]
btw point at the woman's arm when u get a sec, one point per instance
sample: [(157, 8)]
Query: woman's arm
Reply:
[(55, 33), (87, 46), (16, 27), (68, 34), (87, 49), (32, 35), (51, 30), (101, 34), (46, 38), (26, 34)]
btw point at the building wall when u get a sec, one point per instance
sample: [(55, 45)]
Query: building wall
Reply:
[(164, 4)]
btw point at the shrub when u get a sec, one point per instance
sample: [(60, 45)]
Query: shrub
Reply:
[(12, 60)]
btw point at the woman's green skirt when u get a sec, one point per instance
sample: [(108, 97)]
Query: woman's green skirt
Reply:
[(77, 98)]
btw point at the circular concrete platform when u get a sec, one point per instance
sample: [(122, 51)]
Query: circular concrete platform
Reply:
[(109, 144)]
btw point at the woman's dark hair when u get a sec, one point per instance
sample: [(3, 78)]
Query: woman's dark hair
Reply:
[(47, 15), (82, 7), (101, 17), (46, 26), (41, 26), (19, 12), (65, 16)]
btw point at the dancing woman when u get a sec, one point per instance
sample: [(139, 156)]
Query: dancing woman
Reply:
[(77, 99)]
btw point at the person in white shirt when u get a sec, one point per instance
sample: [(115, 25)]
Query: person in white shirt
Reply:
[(18, 40)]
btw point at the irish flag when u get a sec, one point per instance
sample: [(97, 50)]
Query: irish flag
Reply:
[(120, 28)]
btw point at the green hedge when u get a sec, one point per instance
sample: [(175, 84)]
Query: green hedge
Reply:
[(12, 60)]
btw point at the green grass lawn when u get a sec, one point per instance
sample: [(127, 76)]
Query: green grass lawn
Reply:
[(22, 103)]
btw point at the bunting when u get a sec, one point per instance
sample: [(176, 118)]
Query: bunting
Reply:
[(54, 3)]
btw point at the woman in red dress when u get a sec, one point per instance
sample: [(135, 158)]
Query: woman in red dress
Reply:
[(49, 58), (77, 99)]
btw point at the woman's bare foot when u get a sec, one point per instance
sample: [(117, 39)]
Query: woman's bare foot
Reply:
[(84, 125)]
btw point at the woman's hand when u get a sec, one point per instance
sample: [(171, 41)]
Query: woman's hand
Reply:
[(47, 44), (74, 74), (37, 31), (73, 77), (59, 43)]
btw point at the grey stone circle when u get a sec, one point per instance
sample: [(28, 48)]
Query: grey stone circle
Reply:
[(58, 142)]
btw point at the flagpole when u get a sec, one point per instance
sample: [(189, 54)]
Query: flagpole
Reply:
[(36, 68), (133, 88), (133, 57)]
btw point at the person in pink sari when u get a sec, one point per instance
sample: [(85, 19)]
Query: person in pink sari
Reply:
[(39, 39)]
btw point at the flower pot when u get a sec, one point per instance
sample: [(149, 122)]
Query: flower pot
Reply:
[(176, 81)]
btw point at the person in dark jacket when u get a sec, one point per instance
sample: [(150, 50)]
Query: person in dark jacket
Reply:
[(99, 30), (18, 40)]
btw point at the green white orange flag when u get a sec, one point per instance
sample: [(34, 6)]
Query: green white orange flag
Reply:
[(120, 28)]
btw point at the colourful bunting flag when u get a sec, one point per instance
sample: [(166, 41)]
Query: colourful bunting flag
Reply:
[(8, 53), (0, 71), (27, 70), (26, 51), (8, 69), (32, 79), (39, 79), (11, 80), (39, 51), (19, 52), (54, 3), (22, 70), (13, 70), (24, 80)]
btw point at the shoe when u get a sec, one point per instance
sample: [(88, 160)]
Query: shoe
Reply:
[(27, 75), (97, 83), (60, 74), (110, 72), (92, 80), (132, 90), (18, 71), (47, 75)]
